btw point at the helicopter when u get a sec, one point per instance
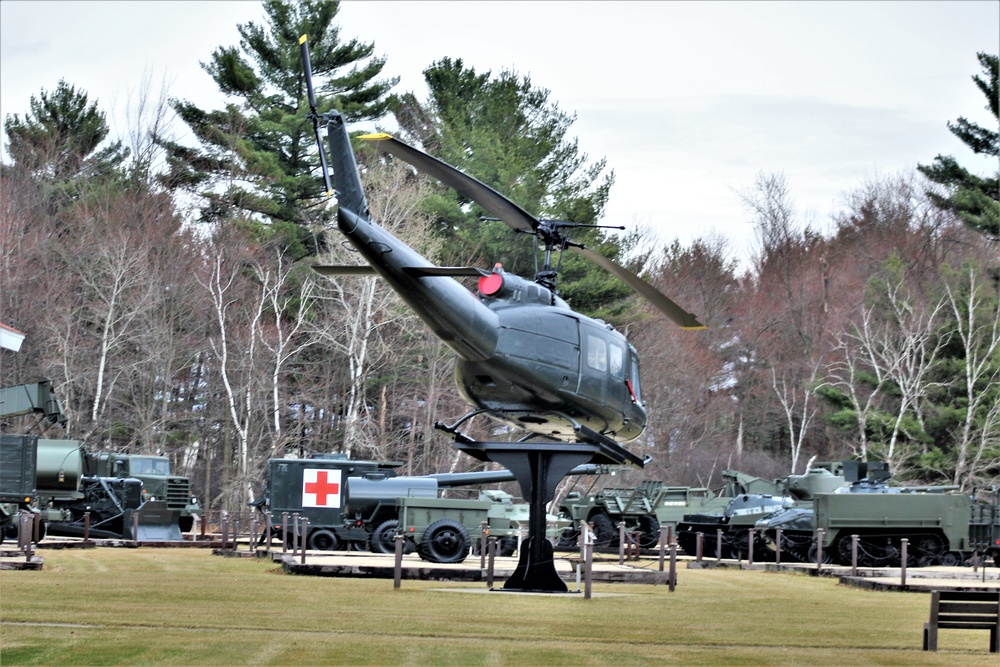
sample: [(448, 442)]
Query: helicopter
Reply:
[(525, 357)]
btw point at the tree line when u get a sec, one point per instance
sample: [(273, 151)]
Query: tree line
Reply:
[(166, 287)]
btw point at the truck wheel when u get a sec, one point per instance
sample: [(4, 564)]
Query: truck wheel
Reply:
[(323, 540), (605, 534), (445, 541), (649, 527), (383, 539)]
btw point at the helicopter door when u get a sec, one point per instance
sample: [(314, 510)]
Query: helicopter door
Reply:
[(602, 376)]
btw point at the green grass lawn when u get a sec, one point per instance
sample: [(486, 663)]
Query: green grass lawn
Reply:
[(187, 607)]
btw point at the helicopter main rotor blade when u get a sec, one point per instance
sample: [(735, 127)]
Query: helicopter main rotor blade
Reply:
[(491, 200), (419, 271), (681, 317), (307, 66)]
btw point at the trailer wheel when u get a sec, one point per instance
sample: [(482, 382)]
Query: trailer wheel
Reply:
[(383, 540), (444, 541), (323, 540)]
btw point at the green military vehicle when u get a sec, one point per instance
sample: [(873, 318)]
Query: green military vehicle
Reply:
[(158, 484)]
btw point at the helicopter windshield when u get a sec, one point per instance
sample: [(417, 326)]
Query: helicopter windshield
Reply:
[(634, 375)]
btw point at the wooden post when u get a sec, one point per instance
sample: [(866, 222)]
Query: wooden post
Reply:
[(484, 529), (718, 545), (902, 563), (491, 546), (135, 526), (224, 528), (699, 546), (777, 547), (284, 533), (302, 538), (295, 534), (750, 547), (854, 555), (621, 542), (673, 566), (398, 570), (662, 545), (819, 549), (86, 527)]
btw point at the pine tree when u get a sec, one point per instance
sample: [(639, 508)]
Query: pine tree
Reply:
[(974, 199), (258, 156), (59, 139)]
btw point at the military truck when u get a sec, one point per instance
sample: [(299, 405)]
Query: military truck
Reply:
[(65, 492), (166, 492), (158, 484)]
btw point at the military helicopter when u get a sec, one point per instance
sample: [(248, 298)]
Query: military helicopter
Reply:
[(525, 357)]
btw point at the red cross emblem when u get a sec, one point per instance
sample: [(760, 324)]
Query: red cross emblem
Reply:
[(320, 488)]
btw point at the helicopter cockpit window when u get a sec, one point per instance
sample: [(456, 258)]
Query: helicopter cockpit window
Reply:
[(597, 353), (616, 360)]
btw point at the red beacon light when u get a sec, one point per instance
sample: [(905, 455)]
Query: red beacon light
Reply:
[(492, 284)]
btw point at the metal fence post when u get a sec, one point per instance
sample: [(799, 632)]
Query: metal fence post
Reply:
[(664, 533), (819, 549), (777, 547), (854, 555), (284, 533), (750, 547), (718, 544)]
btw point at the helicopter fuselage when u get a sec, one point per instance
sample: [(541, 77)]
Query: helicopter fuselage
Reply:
[(524, 355)]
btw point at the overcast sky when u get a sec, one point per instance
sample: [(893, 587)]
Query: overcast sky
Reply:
[(687, 101)]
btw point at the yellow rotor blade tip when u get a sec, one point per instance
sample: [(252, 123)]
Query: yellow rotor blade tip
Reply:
[(303, 38), (377, 136)]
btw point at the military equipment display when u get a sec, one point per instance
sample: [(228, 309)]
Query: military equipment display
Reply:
[(354, 504), (610, 506), (158, 484), (68, 481), (678, 501), (525, 358), (65, 491), (759, 498), (940, 525)]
